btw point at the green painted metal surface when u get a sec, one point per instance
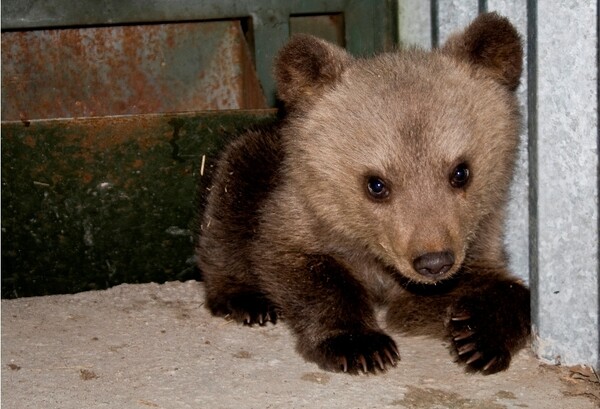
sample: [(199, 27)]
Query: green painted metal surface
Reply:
[(329, 27), (94, 202)]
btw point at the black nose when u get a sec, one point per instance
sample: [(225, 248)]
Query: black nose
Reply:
[(434, 264)]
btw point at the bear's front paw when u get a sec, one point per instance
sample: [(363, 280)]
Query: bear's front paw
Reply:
[(487, 328), (476, 344), (248, 308), (353, 352)]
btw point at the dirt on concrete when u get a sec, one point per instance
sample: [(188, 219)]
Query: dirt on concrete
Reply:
[(156, 346)]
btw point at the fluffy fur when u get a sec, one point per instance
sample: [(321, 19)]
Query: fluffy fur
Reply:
[(385, 184)]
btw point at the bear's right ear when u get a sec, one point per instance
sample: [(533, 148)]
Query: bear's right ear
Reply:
[(305, 67), (493, 44)]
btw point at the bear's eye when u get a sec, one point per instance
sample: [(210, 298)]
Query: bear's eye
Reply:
[(377, 188), (459, 176)]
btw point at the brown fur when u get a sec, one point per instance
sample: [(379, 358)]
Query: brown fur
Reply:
[(291, 228)]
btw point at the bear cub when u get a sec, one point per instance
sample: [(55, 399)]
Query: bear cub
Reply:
[(384, 185)]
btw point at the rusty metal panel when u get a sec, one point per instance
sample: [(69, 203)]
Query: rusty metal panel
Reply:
[(63, 73), (369, 25), (93, 202)]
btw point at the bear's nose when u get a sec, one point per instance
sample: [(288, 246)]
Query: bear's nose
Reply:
[(434, 264)]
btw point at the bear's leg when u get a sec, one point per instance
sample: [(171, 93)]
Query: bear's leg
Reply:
[(489, 321), (231, 288), (332, 316)]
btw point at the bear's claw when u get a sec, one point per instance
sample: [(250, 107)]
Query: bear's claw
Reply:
[(366, 352), (463, 316), (246, 308), (476, 344), (460, 336), (465, 349)]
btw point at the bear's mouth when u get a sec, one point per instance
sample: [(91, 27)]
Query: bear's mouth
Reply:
[(425, 277), (421, 285)]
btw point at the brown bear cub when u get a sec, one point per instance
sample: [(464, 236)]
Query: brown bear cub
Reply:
[(385, 184)]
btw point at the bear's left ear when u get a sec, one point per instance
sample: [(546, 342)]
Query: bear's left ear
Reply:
[(305, 67), (490, 42)]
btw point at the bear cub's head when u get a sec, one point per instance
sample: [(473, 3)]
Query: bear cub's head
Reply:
[(405, 157)]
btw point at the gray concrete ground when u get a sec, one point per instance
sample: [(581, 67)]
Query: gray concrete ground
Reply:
[(155, 346)]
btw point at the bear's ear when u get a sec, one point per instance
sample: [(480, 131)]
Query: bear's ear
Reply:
[(490, 42), (305, 67)]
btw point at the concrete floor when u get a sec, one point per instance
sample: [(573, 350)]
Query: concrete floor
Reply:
[(155, 346)]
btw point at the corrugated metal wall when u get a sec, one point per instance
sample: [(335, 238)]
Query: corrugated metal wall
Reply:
[(553, 226)]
